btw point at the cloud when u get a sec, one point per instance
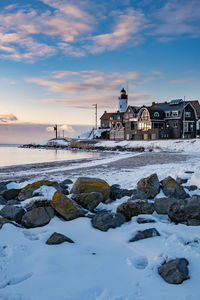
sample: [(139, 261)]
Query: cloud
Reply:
[(85, 81), (177, 18), (7, 117), (65, 127), (127, 28)]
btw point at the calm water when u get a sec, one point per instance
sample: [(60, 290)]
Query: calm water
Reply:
[(12, 155)]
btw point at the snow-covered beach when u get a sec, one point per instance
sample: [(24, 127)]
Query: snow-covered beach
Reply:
[(103, 265)]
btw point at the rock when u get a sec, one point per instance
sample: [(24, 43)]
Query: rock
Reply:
[(191, 187), (28, 191), (2, 200), (3, 186), (105, 220), (65, 182), (13, 213), (64, 190), (37, 203), (162, 204), (116, 192), (65, 207), (182, 211), (3, 221), (144, 221), (147, 233), (58, 238), (89, 185), (134, 208), (172, 188), (88, 200), (181, 180), (11, 194), (193, 222), (13, 202), (189, 172), (36, 217), (174, 271), (149, 186)]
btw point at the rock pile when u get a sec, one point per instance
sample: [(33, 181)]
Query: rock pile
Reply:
[(22, 207)]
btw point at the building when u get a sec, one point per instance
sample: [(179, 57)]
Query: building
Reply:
[(162, 120)]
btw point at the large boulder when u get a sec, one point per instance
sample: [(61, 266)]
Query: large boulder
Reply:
[(13, 213), (174, 271), (89, 185), (28, 191), (88, 200), (36, 217), (58, 238), (105, 220), (134, 208), (11, 194), (149, 186), (184, 211), (147, 233), (116, 192), (2, 200), (66, 207), (171, 188), (162, 204)]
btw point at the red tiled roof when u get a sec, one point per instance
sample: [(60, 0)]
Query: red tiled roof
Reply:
[(106, 116)]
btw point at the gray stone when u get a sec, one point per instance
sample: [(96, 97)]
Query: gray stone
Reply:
[(193, 222), (13, 213), (36, 217), (37, 203), (172, 188), (149, 186), (58, 238), (89, 185), (88, 200), (162, 204), (11, 194), (144, 220), (134, 208), (191, 187), (13, 202), (147, 233), (181, 180), (182, 211), (2, 200), (28, 191), (65, 182), (105, 220), (174, 271), (3, 221), (66, 207), (116, 192)]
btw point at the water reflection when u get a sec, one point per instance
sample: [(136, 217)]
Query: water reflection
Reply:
[(16, 156)]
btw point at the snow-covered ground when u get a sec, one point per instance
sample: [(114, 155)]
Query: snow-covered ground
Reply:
[(191, 145), (104, 265)]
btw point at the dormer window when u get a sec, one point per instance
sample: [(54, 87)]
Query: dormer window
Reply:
[(175, 113), (156, 114), (167, 114)]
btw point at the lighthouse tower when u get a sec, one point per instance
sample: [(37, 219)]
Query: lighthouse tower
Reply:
[(123, 101)]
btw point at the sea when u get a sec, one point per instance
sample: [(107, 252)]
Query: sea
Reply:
[(14, 155)]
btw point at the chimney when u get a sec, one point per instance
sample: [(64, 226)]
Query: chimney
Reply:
[(105, 111), (153, 103)]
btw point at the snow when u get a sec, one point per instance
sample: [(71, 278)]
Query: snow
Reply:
[(191, 145), (104, 265)]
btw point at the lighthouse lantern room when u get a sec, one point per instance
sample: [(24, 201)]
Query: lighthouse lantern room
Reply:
[(123, 101)]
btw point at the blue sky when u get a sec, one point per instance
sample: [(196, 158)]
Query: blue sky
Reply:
[(59, 57)]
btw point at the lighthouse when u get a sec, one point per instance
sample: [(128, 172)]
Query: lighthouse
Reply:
[(123, 101)]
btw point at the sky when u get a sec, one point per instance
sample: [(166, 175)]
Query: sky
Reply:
[(59, 57)]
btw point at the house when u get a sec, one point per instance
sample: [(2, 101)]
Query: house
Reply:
[(162, 120)]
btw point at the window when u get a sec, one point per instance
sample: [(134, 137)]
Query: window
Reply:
[(175, 124), (175, 113), (187, 114), (118, 118), (156, 114), (167, 114)]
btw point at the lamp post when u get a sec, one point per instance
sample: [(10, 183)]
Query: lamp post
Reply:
[(184, 118), (56, 130)]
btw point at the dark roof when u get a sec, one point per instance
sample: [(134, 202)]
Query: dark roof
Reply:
[(165, 106), (196, 105), (106, 116)]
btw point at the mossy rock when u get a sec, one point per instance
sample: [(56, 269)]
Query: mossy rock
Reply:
[(172, 188), (89, 185), (65, 207), (58, 238)]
